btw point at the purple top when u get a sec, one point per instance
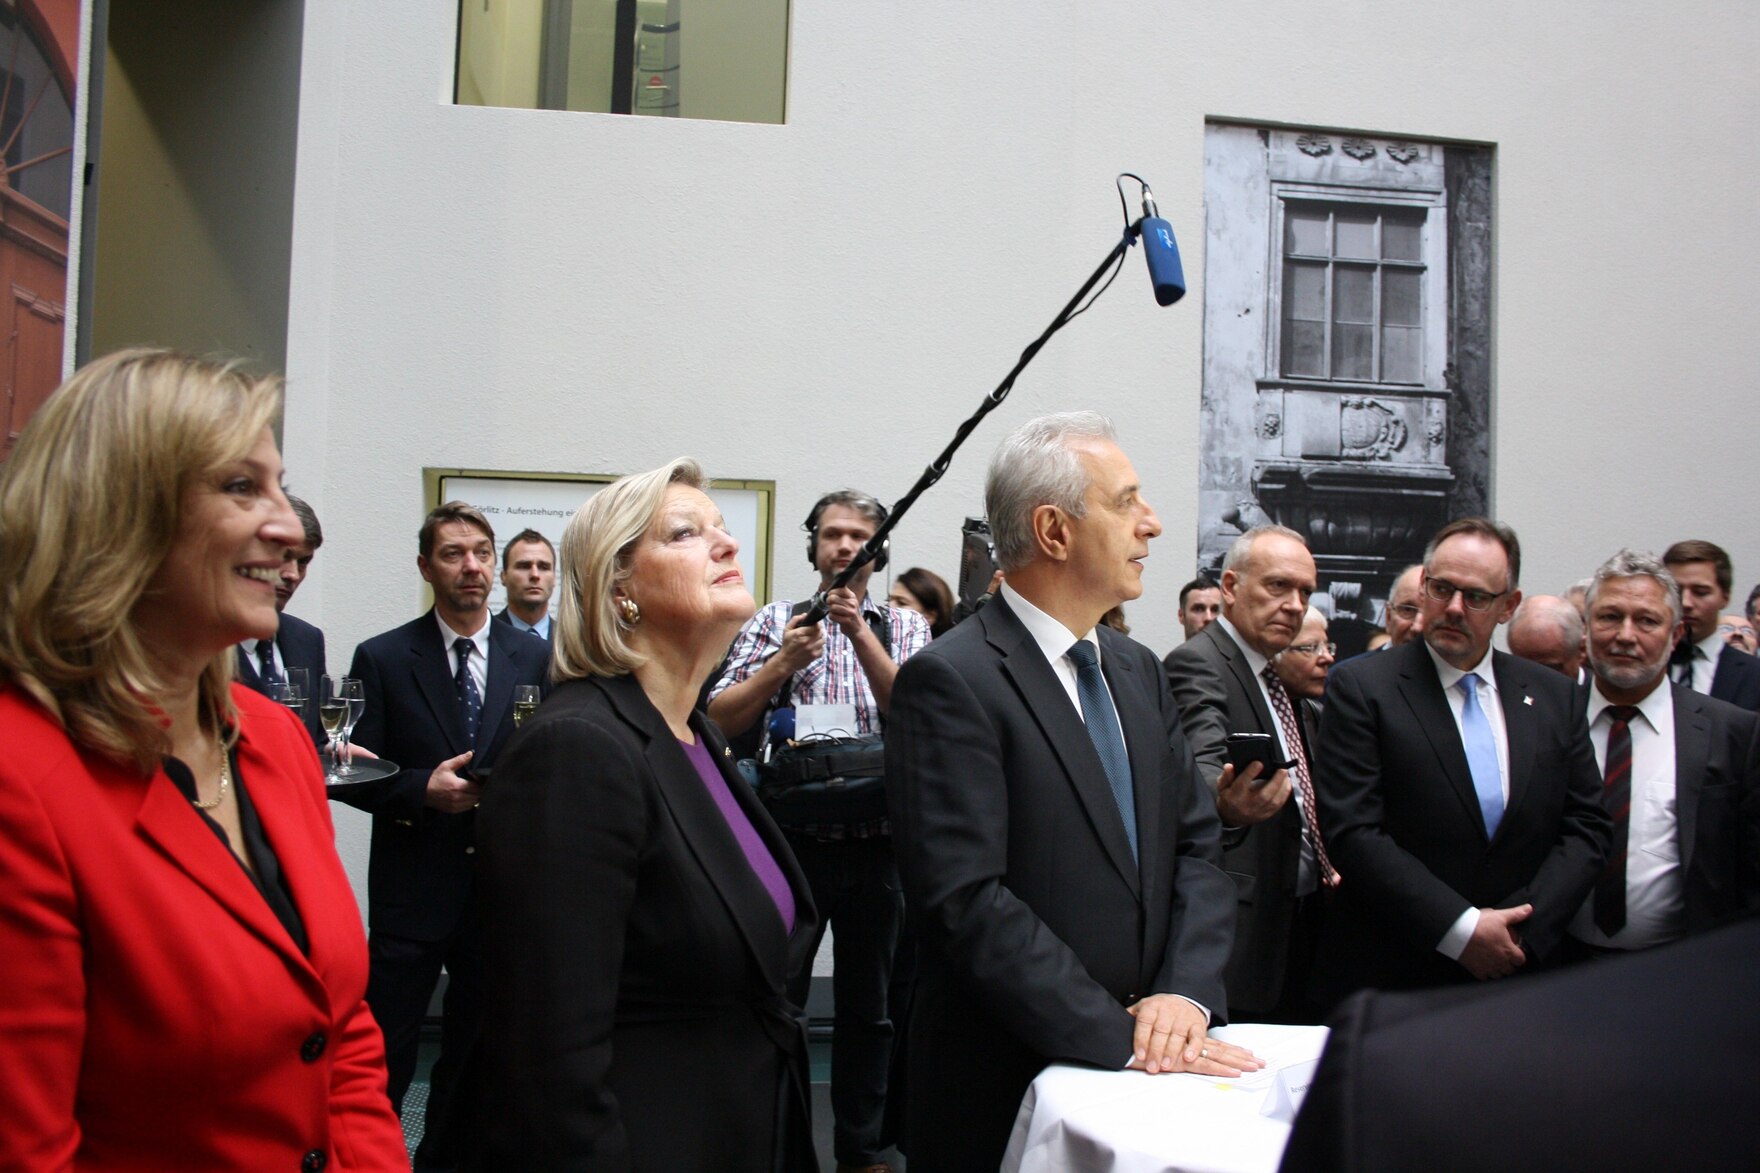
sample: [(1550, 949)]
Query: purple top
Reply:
[(750, 842)]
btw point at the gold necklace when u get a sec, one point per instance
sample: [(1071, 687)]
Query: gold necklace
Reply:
[(225, 784)]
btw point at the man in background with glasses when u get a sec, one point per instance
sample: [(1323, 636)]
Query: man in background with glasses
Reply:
[(1458, 789)]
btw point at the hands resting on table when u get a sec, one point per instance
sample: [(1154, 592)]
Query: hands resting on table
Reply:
[(1173, 1035)]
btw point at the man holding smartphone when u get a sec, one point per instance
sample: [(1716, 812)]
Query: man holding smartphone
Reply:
[(1224, 684)]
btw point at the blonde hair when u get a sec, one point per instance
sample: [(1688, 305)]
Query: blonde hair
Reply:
[(590, 637), (90, 505)]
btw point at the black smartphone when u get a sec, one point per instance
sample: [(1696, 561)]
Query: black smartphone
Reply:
[(1246, 748)]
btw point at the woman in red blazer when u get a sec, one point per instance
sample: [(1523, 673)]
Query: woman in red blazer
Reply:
[(181, 956)]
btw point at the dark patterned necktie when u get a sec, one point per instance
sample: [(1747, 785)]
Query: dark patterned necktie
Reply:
[(1292, 737), (470, 701), (266, 662), (1104, 731), (1610, 890), (1685, 653)]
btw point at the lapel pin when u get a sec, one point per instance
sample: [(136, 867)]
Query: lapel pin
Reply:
[(726, 751), (1527, 700)]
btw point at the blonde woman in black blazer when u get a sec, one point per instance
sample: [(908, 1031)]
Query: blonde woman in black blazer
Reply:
[(641, 905)]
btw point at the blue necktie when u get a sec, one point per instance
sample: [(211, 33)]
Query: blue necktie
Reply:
[(266, 662), (1103, 728), (470, 702), (1481, 749)]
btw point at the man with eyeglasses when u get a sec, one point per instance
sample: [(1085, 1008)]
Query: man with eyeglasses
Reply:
[(1681, 775), (1303, 667), (1223, 682), (1402, 613), (1458, 789)]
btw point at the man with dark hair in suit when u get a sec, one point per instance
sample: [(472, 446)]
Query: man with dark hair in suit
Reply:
[(297, 644), (1054, 835), (1458, 790), (528, 572), (1200, 602), (1681, 774), (1702, 660), (439, 703), (1224, 682)]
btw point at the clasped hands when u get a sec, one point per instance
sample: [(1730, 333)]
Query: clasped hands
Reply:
[(1173, 1035)]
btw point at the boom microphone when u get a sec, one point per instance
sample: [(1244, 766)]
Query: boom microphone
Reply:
[(1159, 249)]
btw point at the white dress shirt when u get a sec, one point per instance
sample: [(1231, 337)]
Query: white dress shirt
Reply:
[(1454, 942), (249, 648), (1705, 654), (1655, 904), (479, 659)]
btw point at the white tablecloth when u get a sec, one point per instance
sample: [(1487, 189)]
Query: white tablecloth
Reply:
[(1080, 1120)]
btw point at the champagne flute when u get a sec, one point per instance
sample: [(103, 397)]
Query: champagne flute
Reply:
[(525, 702), (354, 695), (333, 714), (301, 681)]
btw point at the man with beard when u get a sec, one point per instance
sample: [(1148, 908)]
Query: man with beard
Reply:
[(1681, 771), (1457, 788), (439, 703)]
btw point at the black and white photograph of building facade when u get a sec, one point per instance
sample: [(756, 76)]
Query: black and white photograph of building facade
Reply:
[(1346, 388)]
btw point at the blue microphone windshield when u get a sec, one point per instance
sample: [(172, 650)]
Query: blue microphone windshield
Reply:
[(1159, 249)]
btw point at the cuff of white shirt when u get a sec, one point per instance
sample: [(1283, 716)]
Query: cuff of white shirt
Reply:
[(1454, 942), (1208, 1019)]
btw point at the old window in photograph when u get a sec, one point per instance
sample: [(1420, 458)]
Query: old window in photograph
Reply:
[(1353, 292), (720, 59)]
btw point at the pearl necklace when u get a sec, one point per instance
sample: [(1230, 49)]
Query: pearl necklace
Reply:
[(225, 784)]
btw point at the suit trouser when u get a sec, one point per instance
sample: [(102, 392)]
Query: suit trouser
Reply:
[(855, 886), (399, 988)]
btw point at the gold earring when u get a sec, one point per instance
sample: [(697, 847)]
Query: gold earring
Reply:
[(631, 613)]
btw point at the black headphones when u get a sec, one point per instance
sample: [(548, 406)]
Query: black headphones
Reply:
[(861, 503)]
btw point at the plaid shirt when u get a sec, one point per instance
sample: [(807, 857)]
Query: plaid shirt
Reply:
[(836, 678)]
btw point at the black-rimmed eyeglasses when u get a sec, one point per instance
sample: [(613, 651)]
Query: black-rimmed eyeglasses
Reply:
[(1442, 591)]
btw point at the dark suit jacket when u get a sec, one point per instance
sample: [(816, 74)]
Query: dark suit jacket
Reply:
[(1217, 695), (1037, 929), (301, 646), (419, 876), (1717, 807), (1540, 1075), (1404, 829), (501, 616), (158, 1015), (1737, 679), (636, 1016)]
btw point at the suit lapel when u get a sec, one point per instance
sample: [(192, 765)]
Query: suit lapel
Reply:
[(498, 695), (247, 671), (1692, 753), (1236, 659), (167, 819), (1422, 690), (1518, 727), (1044, 695), (428, 665), (702, 827)]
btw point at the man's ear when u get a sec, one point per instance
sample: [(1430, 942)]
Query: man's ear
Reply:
[(1051, 532)]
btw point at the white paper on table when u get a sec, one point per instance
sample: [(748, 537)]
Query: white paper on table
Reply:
[(824, 721)]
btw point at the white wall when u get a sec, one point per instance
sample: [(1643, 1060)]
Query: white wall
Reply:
[(822, 302)]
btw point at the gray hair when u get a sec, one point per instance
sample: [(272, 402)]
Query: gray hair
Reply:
[(1561, 614), (1034, 466), (1242, 547), (1629, 563)]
